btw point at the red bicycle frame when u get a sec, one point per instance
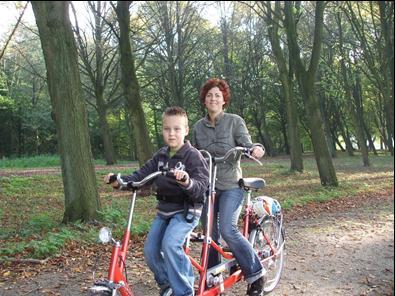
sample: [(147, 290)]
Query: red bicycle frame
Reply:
[(209, 243), (118, 256)]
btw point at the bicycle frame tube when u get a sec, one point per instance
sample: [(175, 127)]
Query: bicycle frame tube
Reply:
[(118, 256), (208, 243), (247, 215)]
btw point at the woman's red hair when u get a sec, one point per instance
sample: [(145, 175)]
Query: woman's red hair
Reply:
[(215, 82)]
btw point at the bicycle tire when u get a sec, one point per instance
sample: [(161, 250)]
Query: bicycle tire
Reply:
[(274, 267)]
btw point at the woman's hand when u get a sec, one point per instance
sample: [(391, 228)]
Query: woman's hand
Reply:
[(257, 152), (109, 178), (182, 177)]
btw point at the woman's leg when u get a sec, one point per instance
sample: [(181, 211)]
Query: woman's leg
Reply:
[(230, 205)]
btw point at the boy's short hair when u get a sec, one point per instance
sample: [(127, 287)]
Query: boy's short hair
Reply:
[(176, 111)]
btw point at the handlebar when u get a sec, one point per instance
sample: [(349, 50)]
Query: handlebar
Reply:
[(139, 184), (243, 150)]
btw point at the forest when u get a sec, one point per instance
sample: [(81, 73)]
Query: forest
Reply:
[(307, 77), (84, 84)]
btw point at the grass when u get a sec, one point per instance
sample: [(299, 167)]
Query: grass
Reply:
[(31, 207), (41, 161)]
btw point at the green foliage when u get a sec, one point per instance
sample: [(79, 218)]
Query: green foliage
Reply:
[(40, 222), (31, 162), (31, 207), (116, 215), (39, 161), (141, 224), (11, 248), (51, 244), (111, 215)]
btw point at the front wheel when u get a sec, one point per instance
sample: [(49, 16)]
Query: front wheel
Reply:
[(268, 242)]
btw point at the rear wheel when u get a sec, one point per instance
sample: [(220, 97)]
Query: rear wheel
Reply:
[(268, 241)]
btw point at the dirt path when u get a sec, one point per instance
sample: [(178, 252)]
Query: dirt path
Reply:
[(344, 247)]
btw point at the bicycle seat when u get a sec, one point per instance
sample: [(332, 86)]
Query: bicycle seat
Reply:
[(252, 183)]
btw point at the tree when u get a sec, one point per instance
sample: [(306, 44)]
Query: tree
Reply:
[(351, 94), (100, 65), (375, 53), (306, 81), (68, 109), (131, 85), (387, 27), (13, 31), (286, 77)]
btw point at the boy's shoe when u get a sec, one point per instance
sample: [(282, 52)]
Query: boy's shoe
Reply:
[(166, 292), (256, 288)]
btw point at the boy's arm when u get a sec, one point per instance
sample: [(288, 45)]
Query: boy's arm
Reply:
[(149, 167), (199, 176)]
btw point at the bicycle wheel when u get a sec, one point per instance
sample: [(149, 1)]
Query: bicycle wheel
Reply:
[(267, 239)]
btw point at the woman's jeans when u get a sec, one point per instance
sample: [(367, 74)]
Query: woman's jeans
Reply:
[(165, 256), (227, 208)]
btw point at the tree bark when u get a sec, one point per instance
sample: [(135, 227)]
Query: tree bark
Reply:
[(60, 53), (352, 98), (286, 76), (387, 26), (99, 86), (97, 73), (306, 83), (131, 85)]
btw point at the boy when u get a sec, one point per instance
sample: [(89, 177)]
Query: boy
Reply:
[(180, 202)]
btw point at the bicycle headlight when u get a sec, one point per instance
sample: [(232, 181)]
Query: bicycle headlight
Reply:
[(105, 235)]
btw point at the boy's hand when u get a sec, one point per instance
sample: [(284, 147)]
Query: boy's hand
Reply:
[(109, 179), (182, 177)]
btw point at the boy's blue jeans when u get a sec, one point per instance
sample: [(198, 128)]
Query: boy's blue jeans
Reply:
[(165, 256), (227, 208)]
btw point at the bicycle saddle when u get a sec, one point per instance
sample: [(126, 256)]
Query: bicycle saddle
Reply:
[(252, 183)]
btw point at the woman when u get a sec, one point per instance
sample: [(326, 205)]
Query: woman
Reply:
[(217, 132)]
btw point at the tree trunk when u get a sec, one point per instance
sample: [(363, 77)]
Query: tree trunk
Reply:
[(306, 83), (387, 25), (105, 133), (352, 96), (99, 90), (346, 137), (286, 75), (60, 53), (93, 65), (131, 85), (263, 134)]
